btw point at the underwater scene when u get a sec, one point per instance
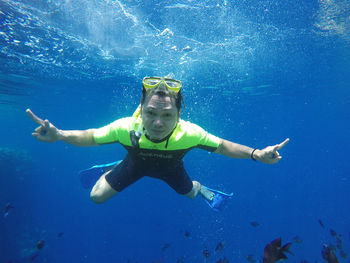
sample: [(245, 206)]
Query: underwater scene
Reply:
[(252, 72)]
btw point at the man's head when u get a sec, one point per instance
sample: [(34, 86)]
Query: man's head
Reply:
[(160, 110)]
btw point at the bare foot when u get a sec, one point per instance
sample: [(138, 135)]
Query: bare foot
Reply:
[(207, 194)]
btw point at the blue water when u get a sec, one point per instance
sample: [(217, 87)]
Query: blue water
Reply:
[(254, 72)]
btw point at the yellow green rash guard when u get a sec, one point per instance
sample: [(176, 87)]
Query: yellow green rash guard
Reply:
[(184, 137)]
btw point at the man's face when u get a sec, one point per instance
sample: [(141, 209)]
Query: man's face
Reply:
[(159, 116)]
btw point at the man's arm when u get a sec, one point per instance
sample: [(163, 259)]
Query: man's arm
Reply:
[(47, 132), (268, 155), (78, 137)]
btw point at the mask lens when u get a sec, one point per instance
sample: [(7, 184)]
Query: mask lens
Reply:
[(152, 81), (172, 84)]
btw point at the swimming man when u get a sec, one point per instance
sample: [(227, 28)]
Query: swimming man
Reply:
[(156, 140)]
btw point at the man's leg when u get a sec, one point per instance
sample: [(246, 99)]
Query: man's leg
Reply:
[(102, 191), (178, 179), (198, 188), (115, 180)]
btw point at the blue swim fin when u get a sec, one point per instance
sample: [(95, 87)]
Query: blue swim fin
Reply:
[(89, 177), (219, 200)]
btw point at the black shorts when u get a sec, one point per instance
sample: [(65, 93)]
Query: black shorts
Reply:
[(127, 172)]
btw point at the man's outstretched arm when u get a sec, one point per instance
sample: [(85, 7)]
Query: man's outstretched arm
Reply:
[(268, 155), (47, 132)]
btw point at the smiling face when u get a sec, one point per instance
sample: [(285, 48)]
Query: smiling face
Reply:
[(159, 115)]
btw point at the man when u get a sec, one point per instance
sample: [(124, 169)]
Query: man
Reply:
[(156, 140)]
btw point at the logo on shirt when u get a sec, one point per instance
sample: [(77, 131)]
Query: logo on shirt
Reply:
[(156, 155)]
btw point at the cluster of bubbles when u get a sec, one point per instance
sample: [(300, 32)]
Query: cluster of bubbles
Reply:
[(333, 18), (207, 44), (92, 39)]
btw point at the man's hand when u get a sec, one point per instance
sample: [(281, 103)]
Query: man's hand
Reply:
[(270, 154), (46, 132)]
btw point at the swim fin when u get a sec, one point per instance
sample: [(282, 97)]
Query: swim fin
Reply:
[(89, 177), (219, 200)]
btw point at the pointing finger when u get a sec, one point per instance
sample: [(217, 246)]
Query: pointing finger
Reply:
[(282, 144), (34, 118)]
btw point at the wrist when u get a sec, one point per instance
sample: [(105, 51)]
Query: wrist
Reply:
[(254, 155), (60, 135)]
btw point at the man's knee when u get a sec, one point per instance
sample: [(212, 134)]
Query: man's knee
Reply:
[(102, 191), (97, 198)]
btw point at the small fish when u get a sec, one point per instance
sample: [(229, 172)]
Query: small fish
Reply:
[(8, 207), (165, 247), (60, 234), (297, 239), (332, 232), (34, 256), (321, 223), (274, 251), (251, 258), (187, 234), (328, 254), (343, 254), (339, 243), (40, 244), (206, 253), (254, 223), (222, 260), (220, 246), (332, 247), (304, 261), (181, 260)]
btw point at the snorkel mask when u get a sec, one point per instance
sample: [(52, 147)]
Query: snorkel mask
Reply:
[(153, 82)]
